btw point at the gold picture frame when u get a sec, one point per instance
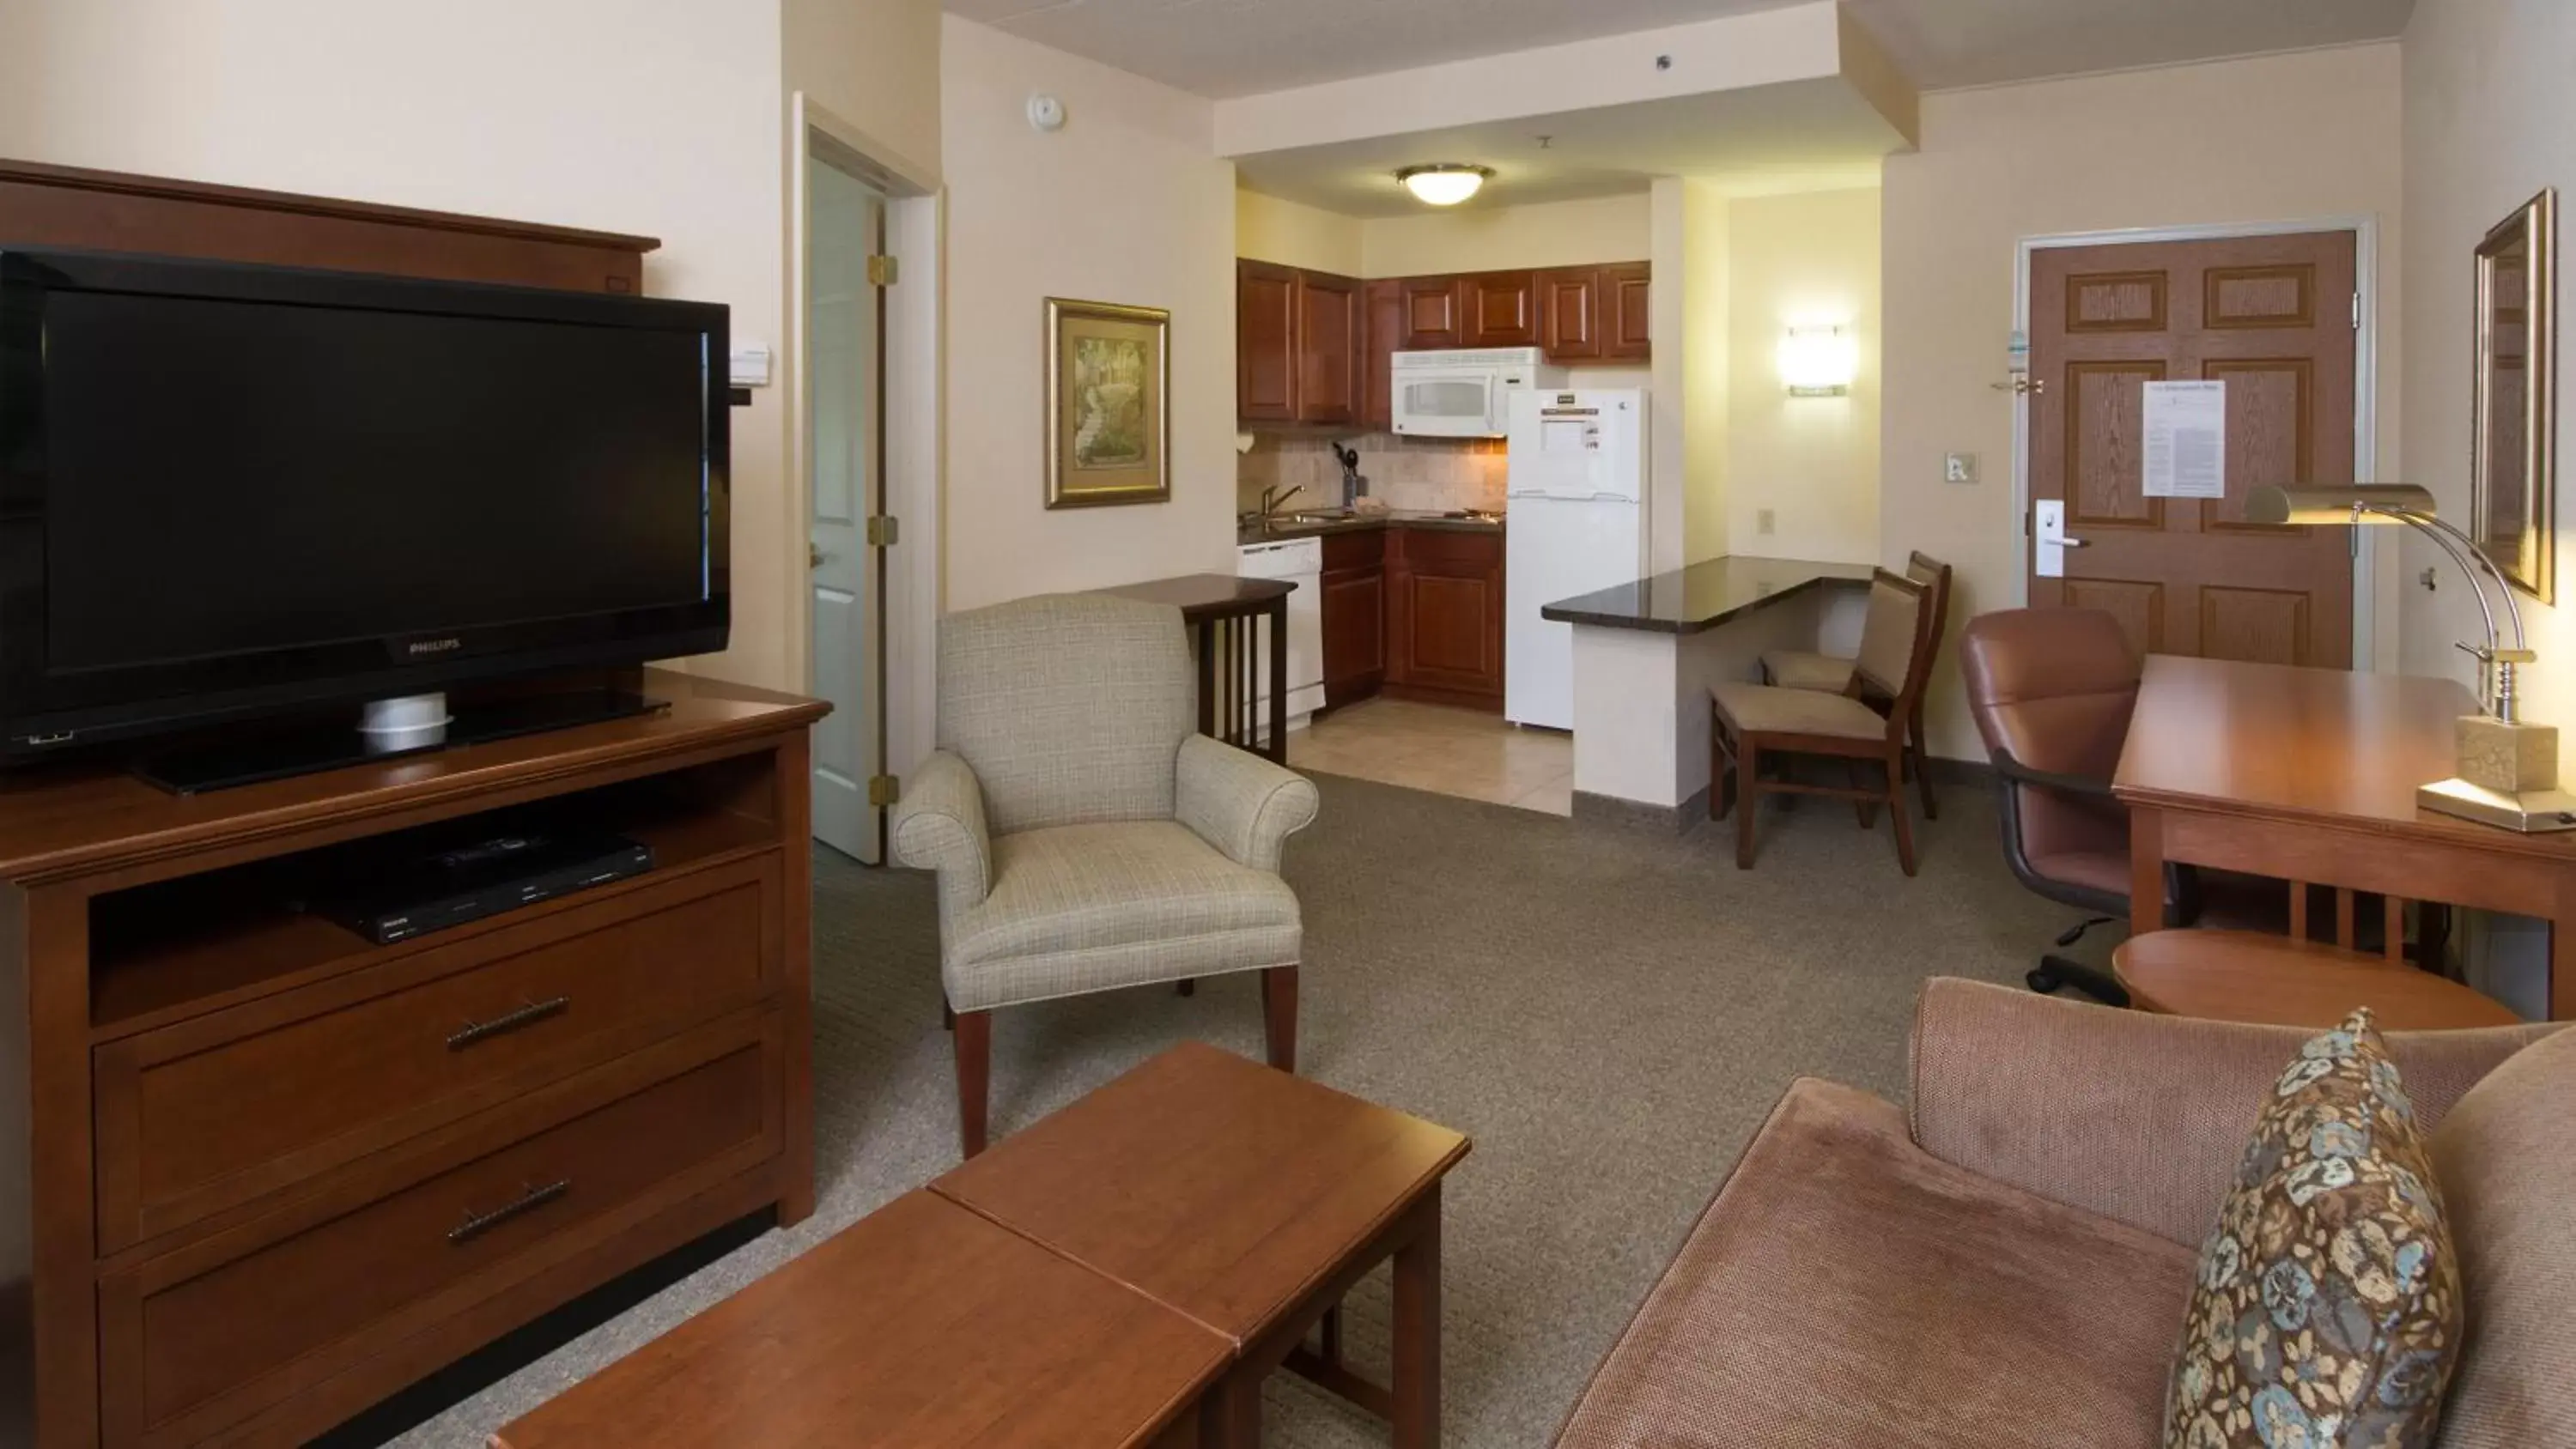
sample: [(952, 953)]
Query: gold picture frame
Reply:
[(2513, 482), (1109, 414)]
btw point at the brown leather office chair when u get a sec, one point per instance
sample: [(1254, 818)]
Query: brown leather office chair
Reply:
[(2052, 690)]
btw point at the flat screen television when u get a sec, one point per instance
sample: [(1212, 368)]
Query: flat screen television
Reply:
[(230, 490)]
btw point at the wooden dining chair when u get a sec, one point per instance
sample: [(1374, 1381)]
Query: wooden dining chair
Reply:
[(1751, 720), (1831, 673)]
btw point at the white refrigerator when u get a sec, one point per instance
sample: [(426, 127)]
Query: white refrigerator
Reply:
[(1575, 523)]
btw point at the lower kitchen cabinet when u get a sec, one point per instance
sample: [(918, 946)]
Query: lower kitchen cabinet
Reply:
[(1353, 596), (1445, 616), (1413, 612)]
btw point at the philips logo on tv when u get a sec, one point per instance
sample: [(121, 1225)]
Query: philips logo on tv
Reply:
[(419, 647)]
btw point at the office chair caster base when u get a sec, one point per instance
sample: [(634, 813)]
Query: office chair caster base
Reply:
[(2056, 972)]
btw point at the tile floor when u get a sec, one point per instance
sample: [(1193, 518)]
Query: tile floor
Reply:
[(1446, 751)]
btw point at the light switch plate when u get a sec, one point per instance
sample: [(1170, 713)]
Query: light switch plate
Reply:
[(1959, 468), (1762, 521)]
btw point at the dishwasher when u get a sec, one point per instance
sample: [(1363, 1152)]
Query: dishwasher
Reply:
[(1299, 561)]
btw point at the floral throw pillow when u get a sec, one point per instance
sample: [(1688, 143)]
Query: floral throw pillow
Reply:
[(2328, 1307)]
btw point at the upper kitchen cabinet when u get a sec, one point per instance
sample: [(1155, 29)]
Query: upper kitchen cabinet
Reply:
[(1628, 333), (1502, 308), (1435, 313), (1297, 345), (1381, 337), (1595, 314)]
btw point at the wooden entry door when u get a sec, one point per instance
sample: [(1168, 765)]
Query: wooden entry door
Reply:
[(2274, 318)]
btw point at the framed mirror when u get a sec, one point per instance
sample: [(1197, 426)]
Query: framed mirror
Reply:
[(2512, 490)]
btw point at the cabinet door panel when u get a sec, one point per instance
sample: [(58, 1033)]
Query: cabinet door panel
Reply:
[(1569, 304), (1502, 309), (1626, 312), (1354, 605), (1383, 309), (1265, 342), (1434, 313), (1449, 628), (1328, 339)]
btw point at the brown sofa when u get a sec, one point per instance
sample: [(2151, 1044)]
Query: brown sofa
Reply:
[(2009, 1263)]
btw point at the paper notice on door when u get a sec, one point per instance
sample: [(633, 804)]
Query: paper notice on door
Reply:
[(2186, 446)]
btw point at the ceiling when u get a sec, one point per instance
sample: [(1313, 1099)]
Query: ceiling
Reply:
[(1801, 136), (1224, 48)]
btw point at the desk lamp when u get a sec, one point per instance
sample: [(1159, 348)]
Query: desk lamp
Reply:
[(2508, 771)]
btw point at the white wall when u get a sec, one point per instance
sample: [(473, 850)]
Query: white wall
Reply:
[(1268, 229), (2490, 120), (1128, 203), (2280, 138), (1707, 373), (1810, 462), (661, 117)]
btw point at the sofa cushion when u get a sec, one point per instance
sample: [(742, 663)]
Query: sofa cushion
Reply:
[(1846, 1288), (1092, 907), (2506, 1156), (2328, 1310)]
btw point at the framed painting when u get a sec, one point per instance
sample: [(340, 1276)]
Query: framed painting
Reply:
[(2513, 416), (1109, 419)]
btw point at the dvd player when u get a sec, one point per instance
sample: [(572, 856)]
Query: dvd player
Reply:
[(451, 887)]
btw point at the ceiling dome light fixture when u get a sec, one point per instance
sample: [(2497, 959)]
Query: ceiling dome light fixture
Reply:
[(1444, 183)]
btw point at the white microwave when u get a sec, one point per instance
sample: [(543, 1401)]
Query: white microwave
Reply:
[(1466, 393)]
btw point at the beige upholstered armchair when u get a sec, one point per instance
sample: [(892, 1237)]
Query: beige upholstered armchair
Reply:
[(1086, 837)]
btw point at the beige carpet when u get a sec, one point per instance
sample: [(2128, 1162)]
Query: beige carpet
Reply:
[(1608, 1014)]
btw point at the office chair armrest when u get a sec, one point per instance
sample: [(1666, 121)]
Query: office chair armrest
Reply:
[(939, 825), (2021, 774), (2132, 1116)]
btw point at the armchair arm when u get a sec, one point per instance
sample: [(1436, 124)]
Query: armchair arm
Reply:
[(2021, 774), (2137, 1117), (1241, 803), (939, 825)]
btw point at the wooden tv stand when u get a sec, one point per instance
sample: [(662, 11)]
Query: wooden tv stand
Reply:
[(257, 1173)]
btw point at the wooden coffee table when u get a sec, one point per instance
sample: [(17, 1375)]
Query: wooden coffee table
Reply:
[(1249, 1201), (922, 1325)]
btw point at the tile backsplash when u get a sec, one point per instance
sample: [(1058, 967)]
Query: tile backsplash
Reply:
[(1428, 475)]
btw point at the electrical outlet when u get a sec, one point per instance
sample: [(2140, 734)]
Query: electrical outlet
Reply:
[(1960, 468), (1762, 521)]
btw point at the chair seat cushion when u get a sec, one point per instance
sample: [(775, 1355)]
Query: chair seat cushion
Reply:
[(1847, 1288), (1078, 908), (1801, 669), (1769, 709)]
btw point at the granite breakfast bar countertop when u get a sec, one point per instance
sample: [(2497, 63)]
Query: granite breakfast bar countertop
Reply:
[(1704, 595)]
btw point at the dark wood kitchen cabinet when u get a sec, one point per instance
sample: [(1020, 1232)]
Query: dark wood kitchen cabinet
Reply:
[(1435, 313), (1502, 308), (1445, 616), (1297, 345), (1596, 314), (1352, 595), (1381, 337), (1627, 290)]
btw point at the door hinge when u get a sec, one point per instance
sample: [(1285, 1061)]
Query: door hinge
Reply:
[(884, 790), (2356, 311), (882, 532), (881, 271)]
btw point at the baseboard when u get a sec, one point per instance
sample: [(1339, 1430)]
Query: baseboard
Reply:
[(1618, 814)]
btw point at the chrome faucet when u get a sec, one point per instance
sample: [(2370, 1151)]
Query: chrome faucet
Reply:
[(1271, 498)]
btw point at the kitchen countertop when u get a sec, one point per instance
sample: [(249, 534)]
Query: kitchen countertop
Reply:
[(1704, 595), (1361, 523)]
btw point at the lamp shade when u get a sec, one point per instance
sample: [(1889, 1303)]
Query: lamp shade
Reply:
[(1819, 361), (1444, 183), (2353, 503)]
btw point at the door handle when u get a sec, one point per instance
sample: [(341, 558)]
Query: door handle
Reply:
[(2067, 542), (814, 555)]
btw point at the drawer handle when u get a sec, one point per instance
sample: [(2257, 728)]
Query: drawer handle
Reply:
[(477, 1224), (508, 1021)]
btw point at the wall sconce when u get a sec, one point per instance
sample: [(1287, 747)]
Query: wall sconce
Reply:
[(1819, 361)]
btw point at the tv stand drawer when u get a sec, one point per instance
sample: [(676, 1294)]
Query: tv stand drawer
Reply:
[(209, 1114), (197, 1340)]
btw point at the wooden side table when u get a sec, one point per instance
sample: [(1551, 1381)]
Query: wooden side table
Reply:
[(2274, 980), (922, 1326), (1249, 1201)]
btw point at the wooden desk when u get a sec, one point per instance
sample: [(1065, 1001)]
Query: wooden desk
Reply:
[(2310, 775), (1222, 608), (1249, 1201), (921, 1326)]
